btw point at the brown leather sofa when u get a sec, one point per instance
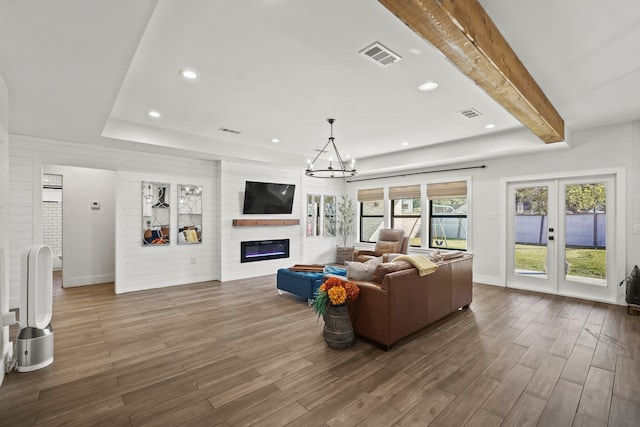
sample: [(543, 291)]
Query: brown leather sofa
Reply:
[(405, 302)]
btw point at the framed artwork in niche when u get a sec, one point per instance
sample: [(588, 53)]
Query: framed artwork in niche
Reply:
[(156, 214), (189, 214)]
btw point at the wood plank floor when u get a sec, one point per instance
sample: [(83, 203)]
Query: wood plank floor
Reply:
[(238, 354)]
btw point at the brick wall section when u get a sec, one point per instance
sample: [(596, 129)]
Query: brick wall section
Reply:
[(52, 226)]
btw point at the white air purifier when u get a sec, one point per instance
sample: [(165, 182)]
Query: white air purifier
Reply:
[(34, 346)]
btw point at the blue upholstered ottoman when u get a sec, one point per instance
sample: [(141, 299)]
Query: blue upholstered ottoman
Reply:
[(299, 283), (304, 284)]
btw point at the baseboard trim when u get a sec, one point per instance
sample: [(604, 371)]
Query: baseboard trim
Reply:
[(88, 280), (488, 280)]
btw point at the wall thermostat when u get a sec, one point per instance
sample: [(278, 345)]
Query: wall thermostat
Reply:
[(95, 206)]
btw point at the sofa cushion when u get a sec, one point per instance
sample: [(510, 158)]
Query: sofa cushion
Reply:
[(383, 247), (362, 270), (389, 267)]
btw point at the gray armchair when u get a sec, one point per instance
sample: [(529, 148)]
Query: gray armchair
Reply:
[(390, 241)]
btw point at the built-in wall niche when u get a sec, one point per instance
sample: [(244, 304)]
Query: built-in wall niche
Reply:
[(329, 213), (189, 214), (156, 214), (313, 214)]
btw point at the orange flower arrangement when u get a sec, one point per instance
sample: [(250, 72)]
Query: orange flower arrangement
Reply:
[(334, 291)]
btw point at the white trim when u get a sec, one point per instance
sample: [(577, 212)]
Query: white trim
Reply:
[(620, 226), (488, 280), (89, 280)]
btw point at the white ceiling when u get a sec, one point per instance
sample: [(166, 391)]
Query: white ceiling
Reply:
[(90, 71)]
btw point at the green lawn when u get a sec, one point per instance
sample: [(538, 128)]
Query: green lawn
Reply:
[(582, 262), (456, 244)]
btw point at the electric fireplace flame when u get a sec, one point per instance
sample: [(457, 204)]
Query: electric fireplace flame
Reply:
[(261, 250)]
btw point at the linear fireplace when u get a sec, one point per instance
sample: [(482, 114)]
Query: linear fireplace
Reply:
[(260, 250)]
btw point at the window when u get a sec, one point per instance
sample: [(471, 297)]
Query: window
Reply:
[(406, 212), (371, 213), (448, 215)]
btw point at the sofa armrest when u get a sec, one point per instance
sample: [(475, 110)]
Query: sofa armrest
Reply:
[(362, 252)]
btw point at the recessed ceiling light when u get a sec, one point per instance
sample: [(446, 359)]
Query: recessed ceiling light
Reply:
[(404, 144), (275, 140), (189, 74), (155, 114), (428, 86), (347, 156), (490, 126)]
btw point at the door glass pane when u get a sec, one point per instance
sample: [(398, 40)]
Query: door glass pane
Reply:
[(530, 246), (586, 233)]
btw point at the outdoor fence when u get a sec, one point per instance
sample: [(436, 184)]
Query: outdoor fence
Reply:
[(581, 230)]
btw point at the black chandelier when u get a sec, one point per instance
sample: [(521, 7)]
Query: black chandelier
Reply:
[(340, 171)]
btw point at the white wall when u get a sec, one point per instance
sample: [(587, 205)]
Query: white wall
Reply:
[(4, 207), (608, 147), (145, 267), (318, 249), (27, 155), (302, 249), (88, 235)]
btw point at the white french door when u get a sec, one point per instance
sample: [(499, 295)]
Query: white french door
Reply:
[(558, 235)]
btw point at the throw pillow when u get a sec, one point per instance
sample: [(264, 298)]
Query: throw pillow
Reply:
[(387, 247), (362, 270), (389, 267)]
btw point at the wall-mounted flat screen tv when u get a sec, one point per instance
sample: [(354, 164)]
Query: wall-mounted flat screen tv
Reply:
[(268, 198)]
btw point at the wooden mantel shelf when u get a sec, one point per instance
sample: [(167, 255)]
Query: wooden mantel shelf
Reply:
[(264, 222)]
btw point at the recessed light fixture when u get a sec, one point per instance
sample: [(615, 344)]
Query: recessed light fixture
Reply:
[(347, 156), (155, 114), (490, 126), (404, 144), (189, 74), (426, 86), (275, 140)]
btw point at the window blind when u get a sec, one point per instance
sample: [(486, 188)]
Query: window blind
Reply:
[(370, 195), (404, 192), (447, 190)]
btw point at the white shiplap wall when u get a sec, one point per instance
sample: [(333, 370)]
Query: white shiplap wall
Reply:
[(4, 223), (146, 267), (29, 154), (302, 249), (232, 193), (319, 249)]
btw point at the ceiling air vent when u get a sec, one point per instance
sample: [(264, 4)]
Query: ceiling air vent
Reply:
[(223, 129), (380, 54), (470, 113)]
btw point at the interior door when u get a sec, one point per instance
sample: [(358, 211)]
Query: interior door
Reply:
[(531, 235)]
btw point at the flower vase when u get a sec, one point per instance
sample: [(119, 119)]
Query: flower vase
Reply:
[(338, 331)]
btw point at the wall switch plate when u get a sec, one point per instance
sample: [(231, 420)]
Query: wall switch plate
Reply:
[(95, 206), (193, 260), (492, 215), (636, 228)]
